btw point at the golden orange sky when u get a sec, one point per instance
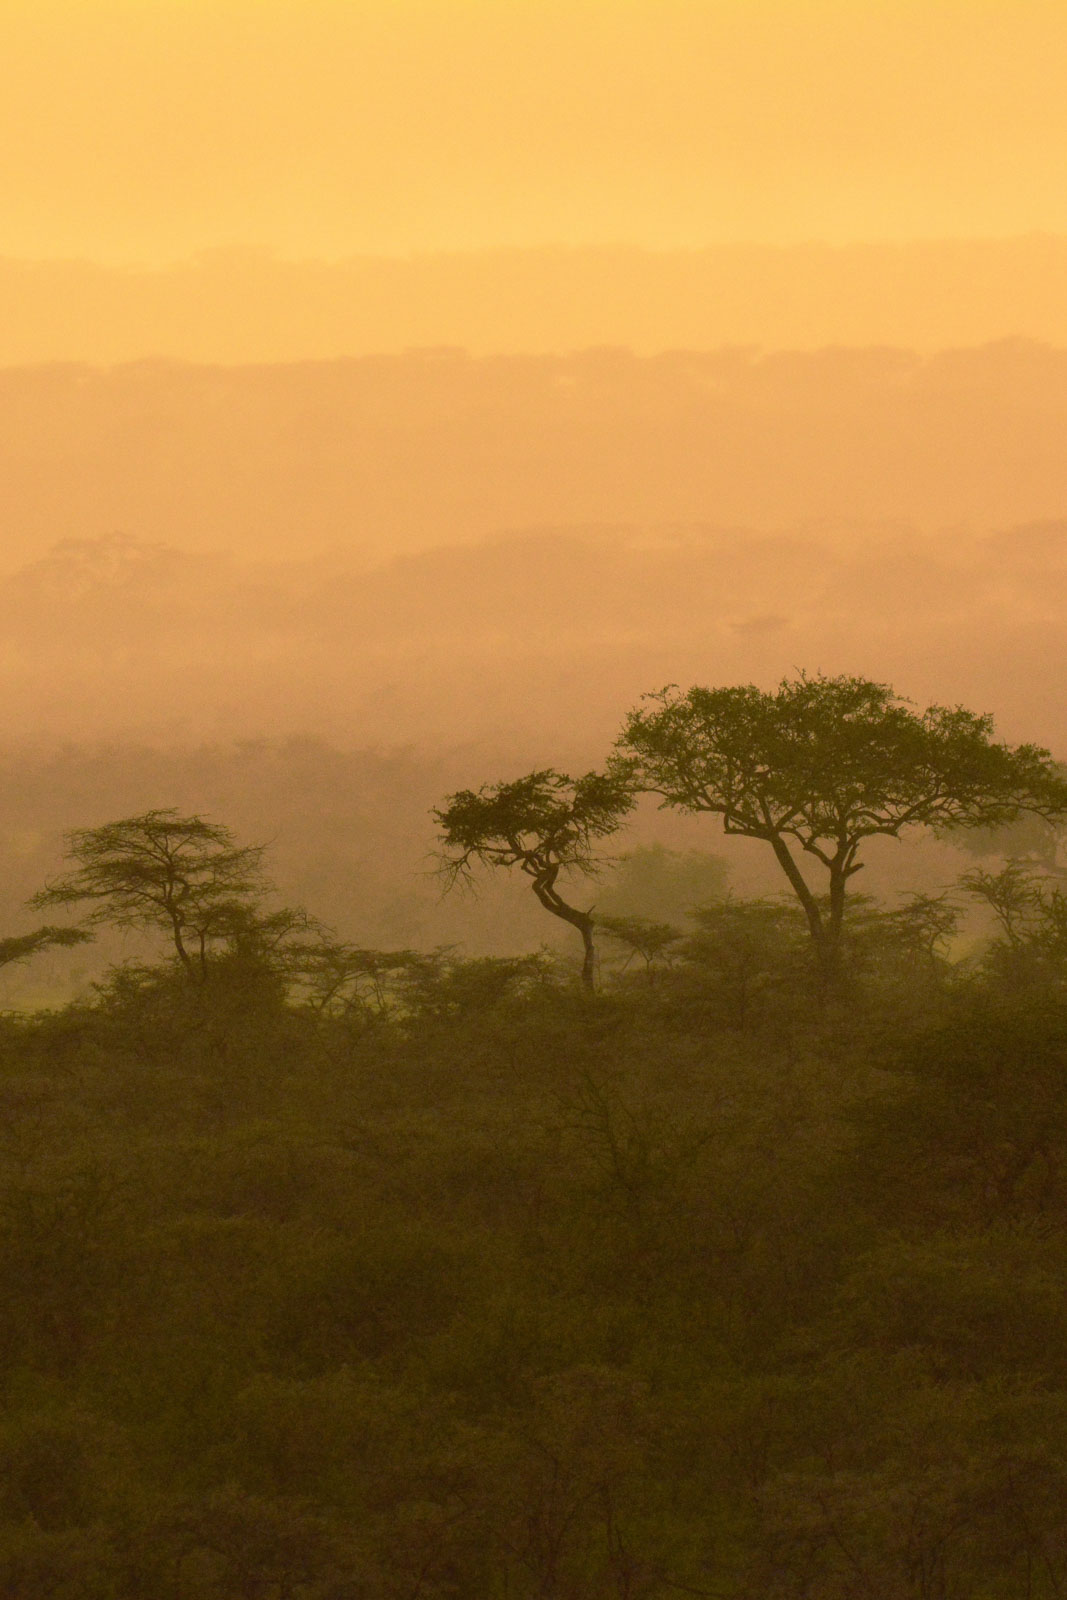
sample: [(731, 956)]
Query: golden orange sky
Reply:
[(145, 130)]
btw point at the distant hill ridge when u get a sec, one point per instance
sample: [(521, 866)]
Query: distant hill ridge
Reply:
[(235, 305)]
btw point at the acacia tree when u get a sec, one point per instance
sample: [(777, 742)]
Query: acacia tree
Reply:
[(822, 764), (544, 824), (184, 876), (643, 936)]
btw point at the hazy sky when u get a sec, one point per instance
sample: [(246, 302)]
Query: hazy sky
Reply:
[(143, 130)]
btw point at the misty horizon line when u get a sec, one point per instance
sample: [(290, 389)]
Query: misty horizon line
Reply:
[(745, 351), (211, 252), (251, 302), (121, 556)]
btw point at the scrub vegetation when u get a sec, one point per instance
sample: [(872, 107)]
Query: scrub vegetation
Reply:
[(736, 1270)]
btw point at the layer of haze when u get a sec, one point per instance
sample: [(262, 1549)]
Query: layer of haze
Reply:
[(533, 645), (326, 705), (393, 391), (387, 454), (321, 128), (249, 306)]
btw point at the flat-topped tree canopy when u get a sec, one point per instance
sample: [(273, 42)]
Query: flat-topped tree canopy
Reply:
[(821, 764), (181, 874), (542, 823)]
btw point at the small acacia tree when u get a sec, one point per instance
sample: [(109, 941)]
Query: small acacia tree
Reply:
[(822, 764), (545, 824), (642, 936), (184, 876)]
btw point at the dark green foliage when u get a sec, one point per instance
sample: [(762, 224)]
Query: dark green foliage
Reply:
[(977, 1125), (499, 1291), (544, 812), (354, 1274), (747, 959)]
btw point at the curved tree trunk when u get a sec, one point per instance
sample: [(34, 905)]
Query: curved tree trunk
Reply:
[(544, 887)]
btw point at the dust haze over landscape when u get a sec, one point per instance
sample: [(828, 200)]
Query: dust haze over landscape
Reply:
[(431, 552), (394, 396), (345, 535), (306, 429)]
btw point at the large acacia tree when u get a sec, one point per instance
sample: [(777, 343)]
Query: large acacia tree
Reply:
[(546, 824), (181, 875), (820, 765)]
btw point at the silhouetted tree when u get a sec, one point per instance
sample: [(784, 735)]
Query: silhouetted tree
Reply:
[(544, 824), (822, 764), (1013, 894), (642, 936), (1031, 914), (182, 875), (352, 983)]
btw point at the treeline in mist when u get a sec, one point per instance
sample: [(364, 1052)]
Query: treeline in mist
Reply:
[(522, 643), (352, 837), (404, 451), (335, 1271)]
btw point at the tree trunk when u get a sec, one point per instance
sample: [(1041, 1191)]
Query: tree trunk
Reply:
[(589, 956), (179, 946), (800, 888), (825, 931), (544, 887), (836, 922)]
